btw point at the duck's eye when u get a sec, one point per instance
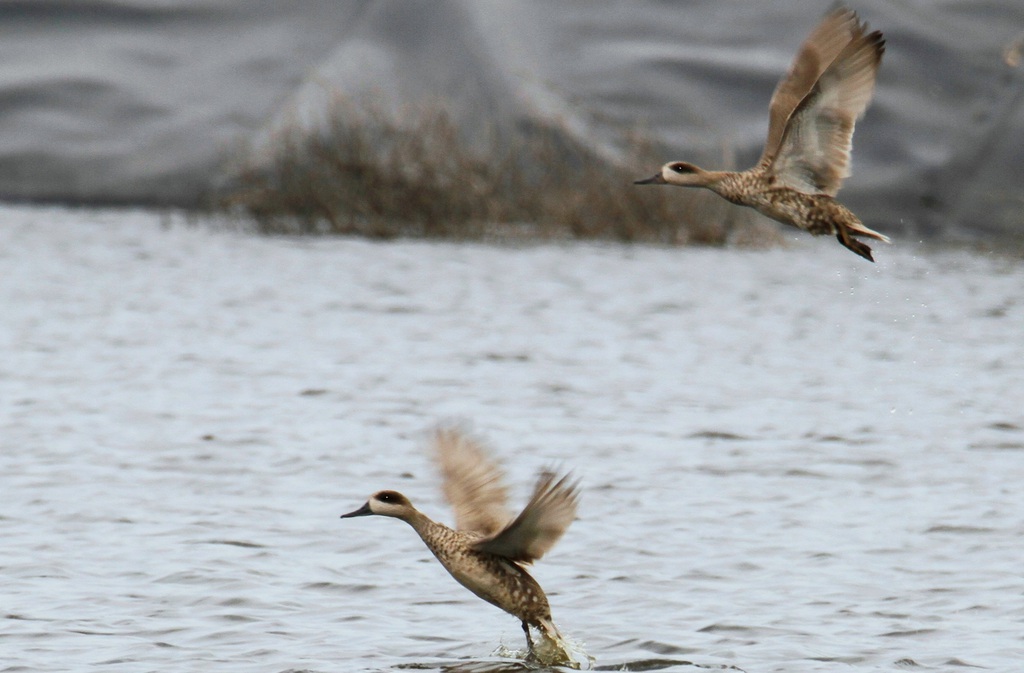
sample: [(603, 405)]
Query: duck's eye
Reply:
[(387, 497), (681, 168)]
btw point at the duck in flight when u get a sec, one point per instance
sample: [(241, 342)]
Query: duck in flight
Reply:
[(810, 128), (488, 549)]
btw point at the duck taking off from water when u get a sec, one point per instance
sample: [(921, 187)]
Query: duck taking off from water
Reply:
[(487, 551), (810, 127)]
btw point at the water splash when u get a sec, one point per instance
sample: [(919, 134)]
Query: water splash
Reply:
[(562, 651), (549, 651)]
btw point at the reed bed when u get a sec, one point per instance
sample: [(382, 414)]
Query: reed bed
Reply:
[(365, 173)]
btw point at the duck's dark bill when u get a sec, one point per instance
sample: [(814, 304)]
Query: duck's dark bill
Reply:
[(653, 180), (362, 511)]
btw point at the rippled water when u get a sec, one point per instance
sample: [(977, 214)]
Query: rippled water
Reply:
[(792, 460)]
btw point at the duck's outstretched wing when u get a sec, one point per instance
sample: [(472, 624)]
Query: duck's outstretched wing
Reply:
[(472, 483), (814, 155), (836, 30), (541, 523)]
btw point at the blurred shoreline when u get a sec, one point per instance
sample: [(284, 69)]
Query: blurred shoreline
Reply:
[(143, 103)]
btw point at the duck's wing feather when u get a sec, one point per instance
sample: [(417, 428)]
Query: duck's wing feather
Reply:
[(814, 154), (472, 483), (541, 523), (836, 30)]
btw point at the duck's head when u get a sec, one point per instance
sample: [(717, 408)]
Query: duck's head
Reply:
[(678, 173), (384, 503)]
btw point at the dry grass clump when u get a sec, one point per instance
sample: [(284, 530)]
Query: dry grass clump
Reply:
[(366, 174)]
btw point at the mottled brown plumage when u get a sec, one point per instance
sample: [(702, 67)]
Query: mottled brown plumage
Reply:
[(806, 155), (487, 552)]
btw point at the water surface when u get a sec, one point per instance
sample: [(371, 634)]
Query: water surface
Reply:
[(793, 460)]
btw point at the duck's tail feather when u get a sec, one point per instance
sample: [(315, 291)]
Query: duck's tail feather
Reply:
[(547, 627), (858, 229)]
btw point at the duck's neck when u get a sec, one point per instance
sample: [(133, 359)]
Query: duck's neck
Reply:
[(420, 522), (435, 535), (736, 186), (713, 179)]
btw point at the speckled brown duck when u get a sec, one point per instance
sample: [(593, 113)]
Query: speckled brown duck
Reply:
[(810, 129), (488, 549)]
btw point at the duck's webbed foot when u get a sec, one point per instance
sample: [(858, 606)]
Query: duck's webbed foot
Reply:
[(530, 655), (853, 244)]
